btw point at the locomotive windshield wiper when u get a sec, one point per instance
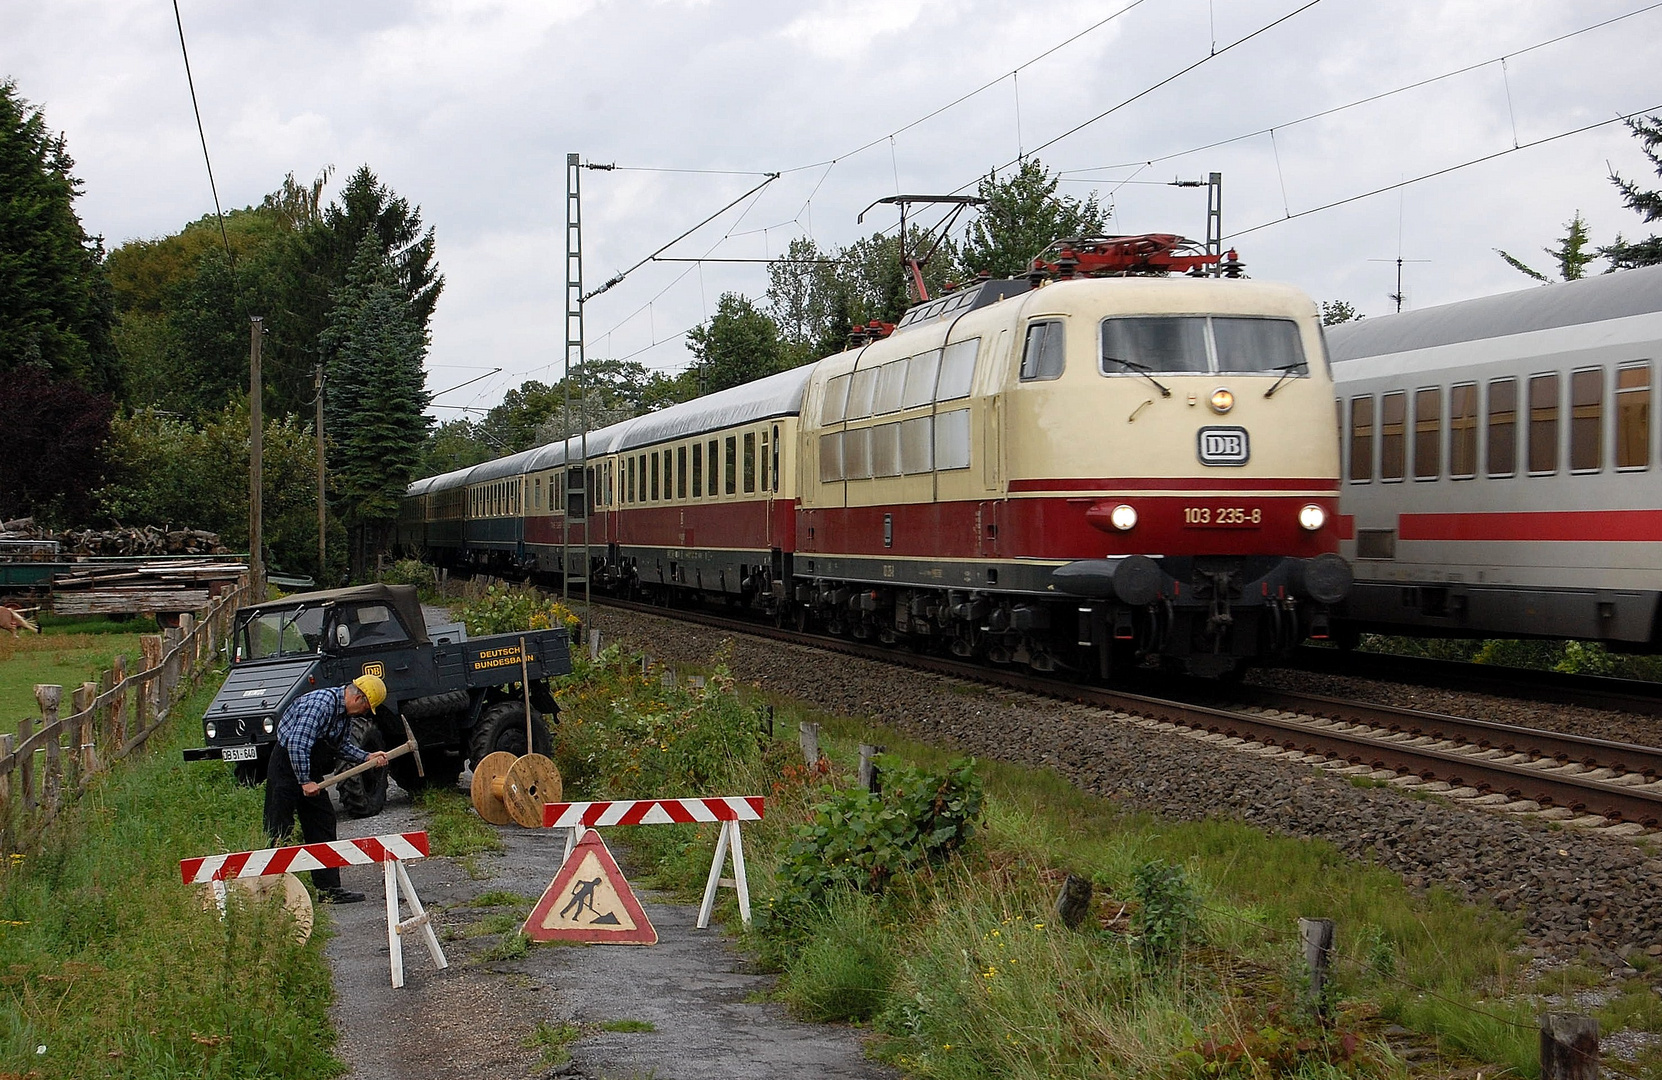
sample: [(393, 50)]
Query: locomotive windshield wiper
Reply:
[(1286, 373), (1132, 365)]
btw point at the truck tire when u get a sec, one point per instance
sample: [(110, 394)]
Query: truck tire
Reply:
[(502, 727), (365, 794)]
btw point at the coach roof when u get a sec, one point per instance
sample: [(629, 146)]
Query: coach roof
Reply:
[(1570, 303), (764, 399)]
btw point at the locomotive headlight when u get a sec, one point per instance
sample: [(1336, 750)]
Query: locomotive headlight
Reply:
[(1123, 517), (212, 729), (1311, 517), (1222, 400)]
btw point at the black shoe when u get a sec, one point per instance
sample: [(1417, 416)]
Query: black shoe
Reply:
[(340, 896)]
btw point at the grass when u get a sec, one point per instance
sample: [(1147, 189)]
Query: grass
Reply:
[(453, 828), (513, 946), (554, 1042), (67, 654), (119, 970), (629, 1026)]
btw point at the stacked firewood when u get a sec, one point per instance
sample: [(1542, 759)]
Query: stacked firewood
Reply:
[(121, 540)]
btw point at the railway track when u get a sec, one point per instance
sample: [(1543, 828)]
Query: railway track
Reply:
[(1594, 782)]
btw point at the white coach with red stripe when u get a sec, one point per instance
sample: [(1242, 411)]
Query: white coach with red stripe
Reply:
[(729, 810), (391, 851)]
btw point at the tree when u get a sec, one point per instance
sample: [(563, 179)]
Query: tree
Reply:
[(55, 302), (1022, 217), (368, 207), (740, 343), (1623, 254), (454, 444), (615, 390), (375, 409), (55, 432), (1335, 312), (1571, 254)]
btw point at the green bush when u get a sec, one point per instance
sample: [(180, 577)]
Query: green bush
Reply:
[(412, 572), (505, 610), (1165, 921)]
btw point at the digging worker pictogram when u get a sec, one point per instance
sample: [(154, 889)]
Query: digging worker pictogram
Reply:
[(313, 736), (581, 897)]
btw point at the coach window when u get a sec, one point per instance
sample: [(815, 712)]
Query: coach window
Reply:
[(774, 472), (654, 477), (1393, 435), (698, 470), (1428, 433), (1633, 416), (1587, 420), (1543, 423), (536, 494), (715, 469), (680, 472), (730, 476), (1361, 440), (1043, 357), (1462, 431), (763, 466), (629, 492), (749, 462), (1503, 427)]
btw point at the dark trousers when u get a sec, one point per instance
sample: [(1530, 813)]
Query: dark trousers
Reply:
[(284, 801)]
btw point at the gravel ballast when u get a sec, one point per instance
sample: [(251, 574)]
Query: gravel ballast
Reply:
[(1576, 892)]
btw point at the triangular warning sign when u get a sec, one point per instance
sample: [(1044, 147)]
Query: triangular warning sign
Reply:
[(589, 900)]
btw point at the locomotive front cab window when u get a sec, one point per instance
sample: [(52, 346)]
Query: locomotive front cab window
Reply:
[(1136, 346), (1393, 437), (1043, 357), (1257, 346), (1543, 424), (1633, 416), (1462, 433), (1361, 439), (1428, 431), (1587, 420), (1503, 427)]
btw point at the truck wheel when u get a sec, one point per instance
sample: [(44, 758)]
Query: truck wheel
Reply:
[(502, 727), (365, 794), (250, 773)]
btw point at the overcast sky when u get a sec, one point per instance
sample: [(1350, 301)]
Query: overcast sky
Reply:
[(469, 109)]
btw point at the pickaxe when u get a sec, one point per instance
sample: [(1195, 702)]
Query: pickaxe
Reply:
[(409, 747)]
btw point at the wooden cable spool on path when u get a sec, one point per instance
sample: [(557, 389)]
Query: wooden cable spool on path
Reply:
[(515, 789), (288, 887)]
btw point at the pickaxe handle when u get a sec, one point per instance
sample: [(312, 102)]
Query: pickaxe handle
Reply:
[(409, 747)]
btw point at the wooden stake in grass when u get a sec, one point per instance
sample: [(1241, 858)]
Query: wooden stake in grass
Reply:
[(871, 777), (1569, 1047), (1074, 901), (1317, 935), (808, 734)]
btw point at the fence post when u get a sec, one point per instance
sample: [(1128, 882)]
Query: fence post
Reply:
[(594, 644), (149, 703), (116, 728), (1569, 1047), (170, 669), (871, 777), (808, 735), (49, 697), (1317, 935), (187, 654), (8, 746), (82, 750), (26, 762)]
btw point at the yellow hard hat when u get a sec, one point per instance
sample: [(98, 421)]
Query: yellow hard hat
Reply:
[(373, 689)]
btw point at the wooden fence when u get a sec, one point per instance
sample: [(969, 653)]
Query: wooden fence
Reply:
[(49, 763)]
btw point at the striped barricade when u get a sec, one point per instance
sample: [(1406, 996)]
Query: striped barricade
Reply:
[(729, 810), (391, 851)]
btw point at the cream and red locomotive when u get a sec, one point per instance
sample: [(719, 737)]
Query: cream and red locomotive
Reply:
[(1076, 472)]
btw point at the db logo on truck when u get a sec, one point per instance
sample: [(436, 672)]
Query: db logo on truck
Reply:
[(375, 668)]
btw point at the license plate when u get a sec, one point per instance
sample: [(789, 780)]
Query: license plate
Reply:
[(240, 753), (1222, 517)]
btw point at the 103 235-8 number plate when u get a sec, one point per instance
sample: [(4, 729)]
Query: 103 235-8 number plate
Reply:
[(240, 753), (1222, 517)]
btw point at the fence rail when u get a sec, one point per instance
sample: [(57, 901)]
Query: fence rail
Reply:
[(108, 719)]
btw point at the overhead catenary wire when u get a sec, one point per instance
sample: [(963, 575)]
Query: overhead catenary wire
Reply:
[(202, 133)]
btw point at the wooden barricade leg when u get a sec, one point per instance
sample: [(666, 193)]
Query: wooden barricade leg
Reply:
[(728, 841), (399, 886), (740, 882), (395, 942), (419, 918)]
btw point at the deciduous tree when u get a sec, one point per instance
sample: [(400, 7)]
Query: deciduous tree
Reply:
[(740, 343), (1022, 217), (55, 431)]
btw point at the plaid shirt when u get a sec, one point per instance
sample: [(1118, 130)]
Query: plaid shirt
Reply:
[(317, 716)]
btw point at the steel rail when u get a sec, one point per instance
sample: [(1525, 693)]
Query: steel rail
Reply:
[(1551, 787)]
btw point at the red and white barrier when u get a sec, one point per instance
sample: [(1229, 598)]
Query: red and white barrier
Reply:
[(729, 810), (590, 815), (391, 851)]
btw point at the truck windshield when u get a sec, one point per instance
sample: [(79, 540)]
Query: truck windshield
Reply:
[(281, 633)]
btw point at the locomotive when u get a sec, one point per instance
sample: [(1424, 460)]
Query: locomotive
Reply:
[(1501, 458), (1096, 468)]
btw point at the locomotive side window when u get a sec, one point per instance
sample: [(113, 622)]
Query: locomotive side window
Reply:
[(917, 445), (885, 450), (1543, 423), (1462, 433), (731, 475), (836, 400), (891, 382), (1130, 346), (1361, 440), (857, 454), (920, 379), (830, 459), (1587, 420), (1043, 357), (860, 393), (1503, 427), (698, 470), (1247, 345), (952, 440), (1428, 433), (749, 462), (1633, 416), (957, 369), (1393, 414)]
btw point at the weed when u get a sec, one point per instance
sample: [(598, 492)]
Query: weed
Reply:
[(513, 946), (452, 826), (844, 970), (501, 898), (493, 924), (554, 1042), (1165, 920), (628, 1025)]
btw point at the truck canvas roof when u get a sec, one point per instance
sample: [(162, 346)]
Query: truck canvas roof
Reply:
[(401, 598)]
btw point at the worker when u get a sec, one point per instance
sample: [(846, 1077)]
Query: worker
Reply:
[(313, 736)]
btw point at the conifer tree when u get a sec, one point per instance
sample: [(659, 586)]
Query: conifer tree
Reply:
[(1624, 254)]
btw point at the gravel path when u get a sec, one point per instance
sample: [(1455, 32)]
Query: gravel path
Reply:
[(1575, 892)]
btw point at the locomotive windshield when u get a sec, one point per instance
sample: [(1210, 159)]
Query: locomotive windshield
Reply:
[(1198, 344)]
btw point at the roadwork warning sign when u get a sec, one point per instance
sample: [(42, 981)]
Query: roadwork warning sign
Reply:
[(589, 900)]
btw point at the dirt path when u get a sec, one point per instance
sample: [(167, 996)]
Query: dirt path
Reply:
[(473, 1019)]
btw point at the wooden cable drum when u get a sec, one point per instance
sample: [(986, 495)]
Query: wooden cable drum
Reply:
[(532, 781), (490, 784), (288, 887)]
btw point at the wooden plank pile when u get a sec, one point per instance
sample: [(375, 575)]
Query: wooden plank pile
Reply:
[(143, 587)]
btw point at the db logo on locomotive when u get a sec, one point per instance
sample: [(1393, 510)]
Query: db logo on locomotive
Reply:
[(1223, 446)]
